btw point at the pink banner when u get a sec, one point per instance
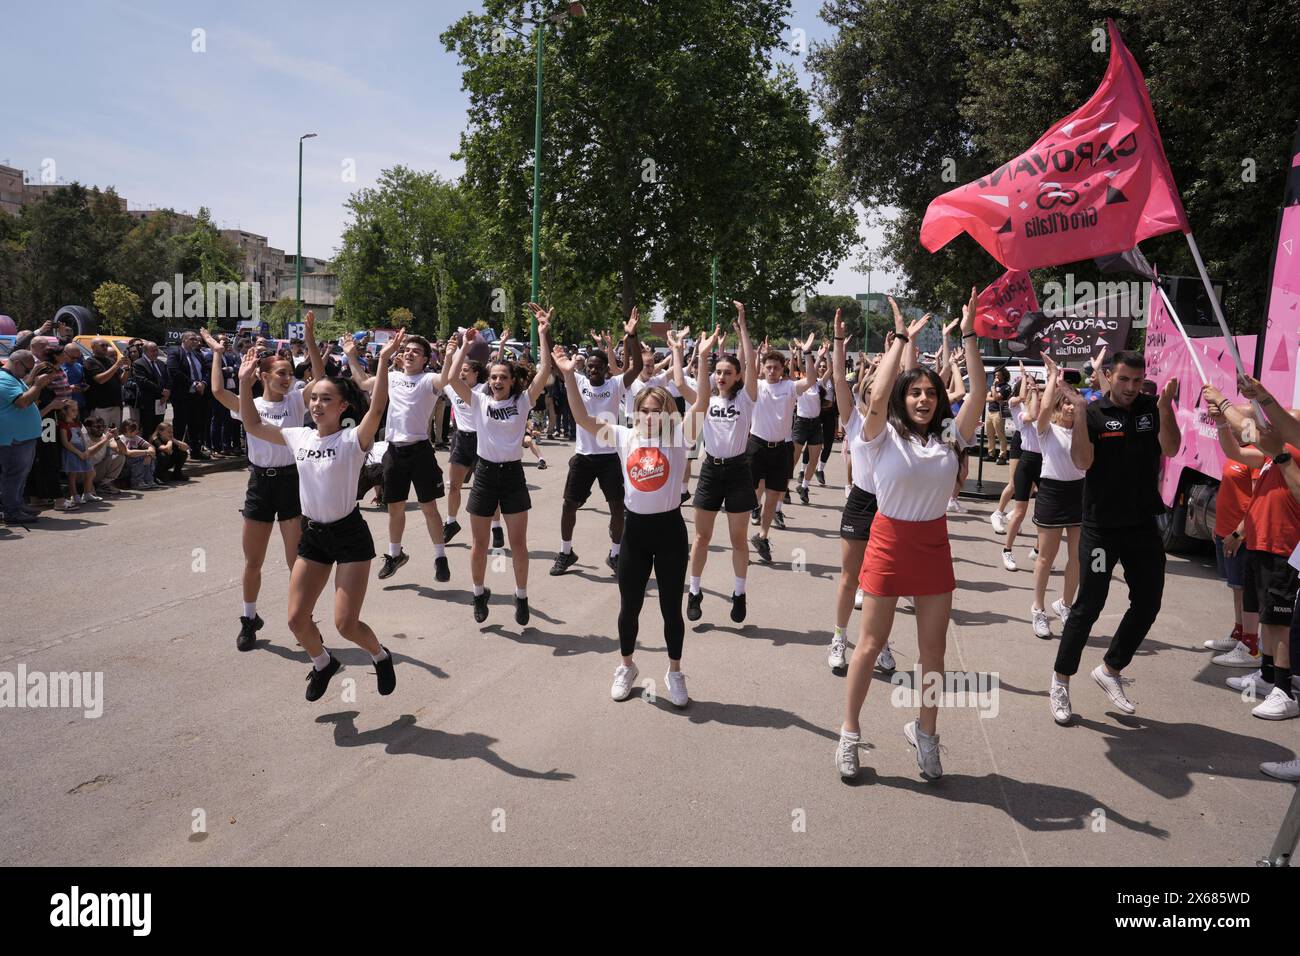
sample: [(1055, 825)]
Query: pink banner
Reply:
[(1283, 336)]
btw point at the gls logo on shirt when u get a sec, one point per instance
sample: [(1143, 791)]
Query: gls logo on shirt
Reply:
[(305, 453), (730, 412)]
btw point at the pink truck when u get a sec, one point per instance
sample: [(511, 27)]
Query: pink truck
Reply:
[(1190, 481)]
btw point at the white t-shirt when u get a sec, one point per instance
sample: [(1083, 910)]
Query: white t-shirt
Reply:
[(774, 410), (913, 481), (1029, 435), (602, 403), (636, 388), (328, 469), (727, 423), (651, 472), (286, 413), (461, 412), (809, 404), (857, 446), (1057, 464), (500, 426), (411, 399)]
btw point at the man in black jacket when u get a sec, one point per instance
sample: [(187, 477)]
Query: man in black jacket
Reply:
[(153, 387), (189, 387)]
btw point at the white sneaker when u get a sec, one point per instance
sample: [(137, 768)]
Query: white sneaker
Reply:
[(836, 659), (1240, 656), (81, 499), (624, 680), (885, 660), (90, 496), (1254, 679), (1284, 770), (1060, 700), (1009, 561), (846, 756), (1277, 706), (1042, 626), (676, 682), (1222, 644), (1114, 688), (69, 504), (927, 750), (1033, 554), (858, 599), (1062, 609), (999, 522), (955, 506)]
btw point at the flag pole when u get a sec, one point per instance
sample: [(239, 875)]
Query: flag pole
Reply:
[(1218, 314), (1169, 307)]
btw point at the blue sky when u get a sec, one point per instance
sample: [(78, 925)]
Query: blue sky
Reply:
[(114, 94)]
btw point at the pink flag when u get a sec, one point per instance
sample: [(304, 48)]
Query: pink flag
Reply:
[(1003, 303), (1097, 182)]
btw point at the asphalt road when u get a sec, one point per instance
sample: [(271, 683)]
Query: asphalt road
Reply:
[(503, 746)]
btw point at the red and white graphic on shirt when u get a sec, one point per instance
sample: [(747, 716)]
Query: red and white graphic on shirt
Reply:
[(647, 469)]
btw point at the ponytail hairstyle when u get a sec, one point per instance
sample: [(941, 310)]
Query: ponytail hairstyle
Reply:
[(353, 397), (740, 372), (479, 370)]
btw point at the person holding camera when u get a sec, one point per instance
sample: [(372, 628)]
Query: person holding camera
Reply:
[(20, 427)]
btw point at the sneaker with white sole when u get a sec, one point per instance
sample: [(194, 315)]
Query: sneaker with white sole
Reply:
[(1009, 560), (1283, 770), (1060, 701), (1223, 644), (624, 680), (846, 756), (1042, 625), (676, 682), (955, 507), (885, 660), (858, 598), (1033, 554), (836, 658), (1254, 680), (1277, 706), (1239, 656), (927, 750), (999, 522), (1113, 686), (1062, 609)]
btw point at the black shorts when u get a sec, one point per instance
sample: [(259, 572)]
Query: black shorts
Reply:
[(807, 431), (771, 466), (1059, 504), (585, 470), (272, 494), (1270, 589), (498, 484), (341, 542), (464, 449), (859, 512), (725, 483), (1027, 475), (830, 425), (1015, 446), (413, 464)]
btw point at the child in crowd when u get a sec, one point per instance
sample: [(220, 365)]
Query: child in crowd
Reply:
[(171, 452)]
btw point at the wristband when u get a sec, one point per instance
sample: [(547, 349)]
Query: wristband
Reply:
[(902, 337), (970, 335)]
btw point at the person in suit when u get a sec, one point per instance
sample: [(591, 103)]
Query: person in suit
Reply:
[(153, 386), (189, 389)]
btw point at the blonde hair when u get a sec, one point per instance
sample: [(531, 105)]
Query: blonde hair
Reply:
[(667, 413)]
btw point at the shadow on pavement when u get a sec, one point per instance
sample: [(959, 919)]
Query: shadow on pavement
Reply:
[(562, 645), (351, 656), (744, 715)]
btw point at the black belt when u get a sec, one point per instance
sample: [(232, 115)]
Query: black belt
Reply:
[(724, 462), (271, 472), (499, 464), (770, 444), (329, 526)]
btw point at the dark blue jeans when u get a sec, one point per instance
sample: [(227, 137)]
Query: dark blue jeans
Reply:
[(15, 462)]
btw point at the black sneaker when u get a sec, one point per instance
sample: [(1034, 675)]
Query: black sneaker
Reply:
[(391, 564), (693, 603), (562, 563), (821, 477), (778, 520), (498, 538), (611, 561), (686, 496), (738, 607), (449, 530), (481, 606), (384, 672), (441, 569), (541, 464), (803, 494), (248, 628), (1002, 461), (754, 516), (763, 547), (317, 681), (521, 611), (787, 497)]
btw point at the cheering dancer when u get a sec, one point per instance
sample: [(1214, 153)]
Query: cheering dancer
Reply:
[(464, 444), (809, 430), (1026, 469), (912, 444), (329, 460), (272, 493), (500, 419)]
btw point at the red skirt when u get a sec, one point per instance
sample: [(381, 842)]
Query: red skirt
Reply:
[(907, 558)]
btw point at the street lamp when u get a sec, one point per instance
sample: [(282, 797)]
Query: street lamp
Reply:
[(298, 258), (569, 10)]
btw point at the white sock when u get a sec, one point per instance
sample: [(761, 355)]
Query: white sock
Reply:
[(496, 525), (394, 548), (779, 503), (323, 661), (695, 584), (613, 548), (250, 609), (380, 656), (478, 590), (566, 547), (849, 735), (521, 593), (439, 550), (839, 633), (739, 586), (451, 518), (804, 483)]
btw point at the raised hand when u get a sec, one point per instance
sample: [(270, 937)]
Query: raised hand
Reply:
[(898, 314), (808, 343), (1166, 400), (918, 325), (968, 313), (947, 329), (394, 345), (543, 317), (350, 347), (309, 326), (629, 327), (211, 342), (248, 367), (560, 359)]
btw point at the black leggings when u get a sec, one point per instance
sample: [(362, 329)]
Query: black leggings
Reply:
[(655, 541)]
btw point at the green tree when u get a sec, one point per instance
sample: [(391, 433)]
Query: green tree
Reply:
[(282, 312), (118, 306)]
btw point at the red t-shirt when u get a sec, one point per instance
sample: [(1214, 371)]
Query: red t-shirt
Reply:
[(1273, 517), (1234, 497)]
